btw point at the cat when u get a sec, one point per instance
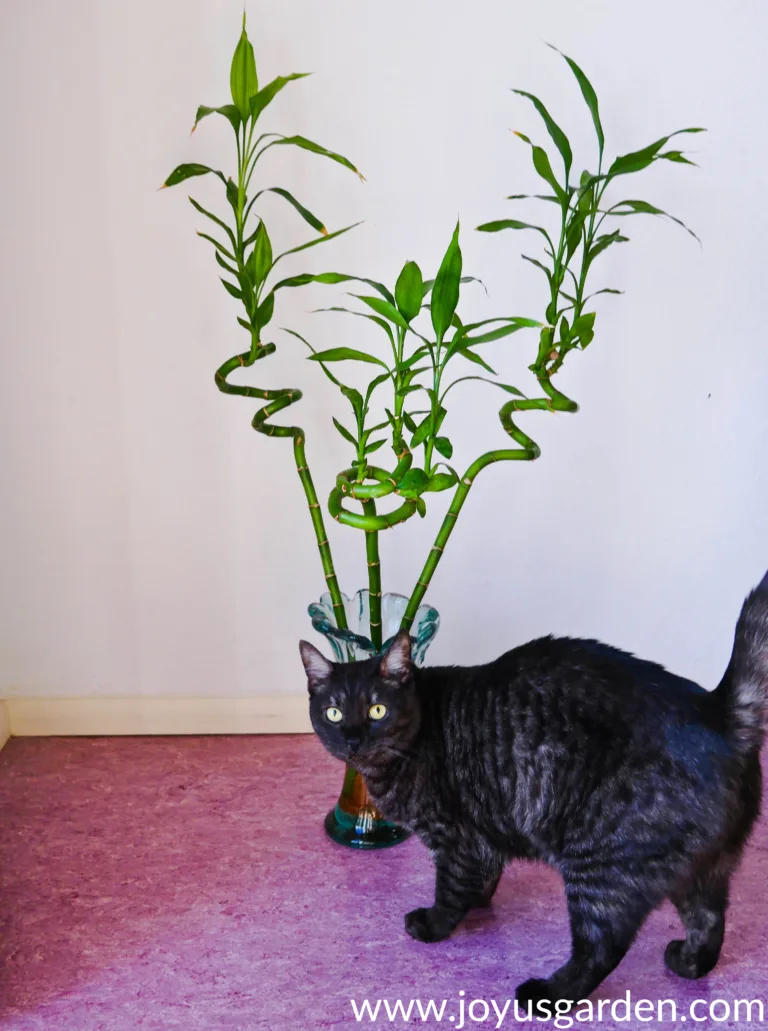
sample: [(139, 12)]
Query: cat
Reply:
[(635, 784)]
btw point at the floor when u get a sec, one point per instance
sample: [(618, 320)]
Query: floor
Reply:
[(154, 883)]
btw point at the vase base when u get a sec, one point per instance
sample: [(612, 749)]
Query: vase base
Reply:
[(362, 832)]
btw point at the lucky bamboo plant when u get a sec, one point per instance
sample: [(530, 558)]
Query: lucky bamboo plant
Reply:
[(423, 334)]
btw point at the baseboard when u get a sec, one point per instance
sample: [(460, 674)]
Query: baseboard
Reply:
[(5, 723), (106, 716)]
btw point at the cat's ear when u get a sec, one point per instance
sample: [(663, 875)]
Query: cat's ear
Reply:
[(317, 667), (396, 663)]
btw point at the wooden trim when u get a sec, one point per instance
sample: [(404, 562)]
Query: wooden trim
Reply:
[(5, 723), (106, 716)]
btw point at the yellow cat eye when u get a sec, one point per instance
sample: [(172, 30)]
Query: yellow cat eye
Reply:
[(334, 715), (377, 712)]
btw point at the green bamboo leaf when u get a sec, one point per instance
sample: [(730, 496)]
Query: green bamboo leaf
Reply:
[(414, 479), (642, 207), (422, 431), (265, 310), (333, 278), (383, 308), (605, 290), (363, 315), (314, 243), (534, 196), (639, 159), (229, 111), (370, 448), (232, 289), (441, 481), (307, 215), (445, 293), (538, 264), (543, 167), (344, 432), (182, 172), (243, 81), (267, 94), (558, 136), (410, 425), (677, 156), (409, 291), (583, 325), (225, 265), (590, 97), (233, 195), (429, 283), (213, 218), (512, 223), (219, 246), (372, 386), (470, 355), (444, 446), (355, 399), (315, 148), (602, 242), (342, 354), (259, 262)]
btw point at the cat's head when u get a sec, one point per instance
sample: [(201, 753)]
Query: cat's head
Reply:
[(363, 712)]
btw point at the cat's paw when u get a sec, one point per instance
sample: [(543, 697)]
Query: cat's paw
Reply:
[(683, 964), (425, 925)]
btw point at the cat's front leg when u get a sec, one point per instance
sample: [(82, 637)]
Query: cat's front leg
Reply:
[(460, 881)]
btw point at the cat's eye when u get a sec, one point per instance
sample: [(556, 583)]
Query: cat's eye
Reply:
[(377, 712), (334, 715)]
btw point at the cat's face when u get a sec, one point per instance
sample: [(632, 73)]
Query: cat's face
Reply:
[(363, 712)]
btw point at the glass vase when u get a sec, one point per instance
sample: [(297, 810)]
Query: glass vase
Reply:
[(355, 821)]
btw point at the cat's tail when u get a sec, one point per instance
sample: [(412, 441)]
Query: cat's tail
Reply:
[(743, 691)]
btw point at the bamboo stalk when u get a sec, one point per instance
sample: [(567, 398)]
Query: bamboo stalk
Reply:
[(374, 576), (279, 399)]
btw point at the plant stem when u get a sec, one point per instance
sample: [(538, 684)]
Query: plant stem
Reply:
[(527, 452), (374, 577), (279, 399)]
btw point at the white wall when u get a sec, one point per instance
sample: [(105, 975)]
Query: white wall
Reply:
[(153, 544)]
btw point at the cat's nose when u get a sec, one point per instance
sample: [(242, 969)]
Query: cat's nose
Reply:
[(353, 742)]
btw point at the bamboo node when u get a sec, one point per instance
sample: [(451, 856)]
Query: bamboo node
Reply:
[(302, 469), (451, 514), (419, 582), (374, 564), (467, 481), (322, 544), (315, 505), (299, 441), (437, 547)]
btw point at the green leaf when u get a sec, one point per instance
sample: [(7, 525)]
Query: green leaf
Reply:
[(642, 207), (534, 196), (675, 155), (305, 214), (538, 264), (314, 243), (590, 97), (260, 259), (410, 425), (232, 194), (219, 246), (470, 355), (512, 223), (409, 291), (232, 289), (494, 383), (243, 81), (558, 136), (343, 354), (315, 148), (414, 479), (383, 308), (229, 111), (225, 265), (584, 324), (355, 399), (543, 167), (333, 278), (445, 293), (344, 432), (421, 507), (602, 242), (374, 384), (265, 310), (213, 218), (182, 172), (639, 159), (370, 448), (441, 481), (444, 446), (268, 93)]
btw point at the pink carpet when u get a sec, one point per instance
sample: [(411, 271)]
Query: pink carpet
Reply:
[(187, 883)]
